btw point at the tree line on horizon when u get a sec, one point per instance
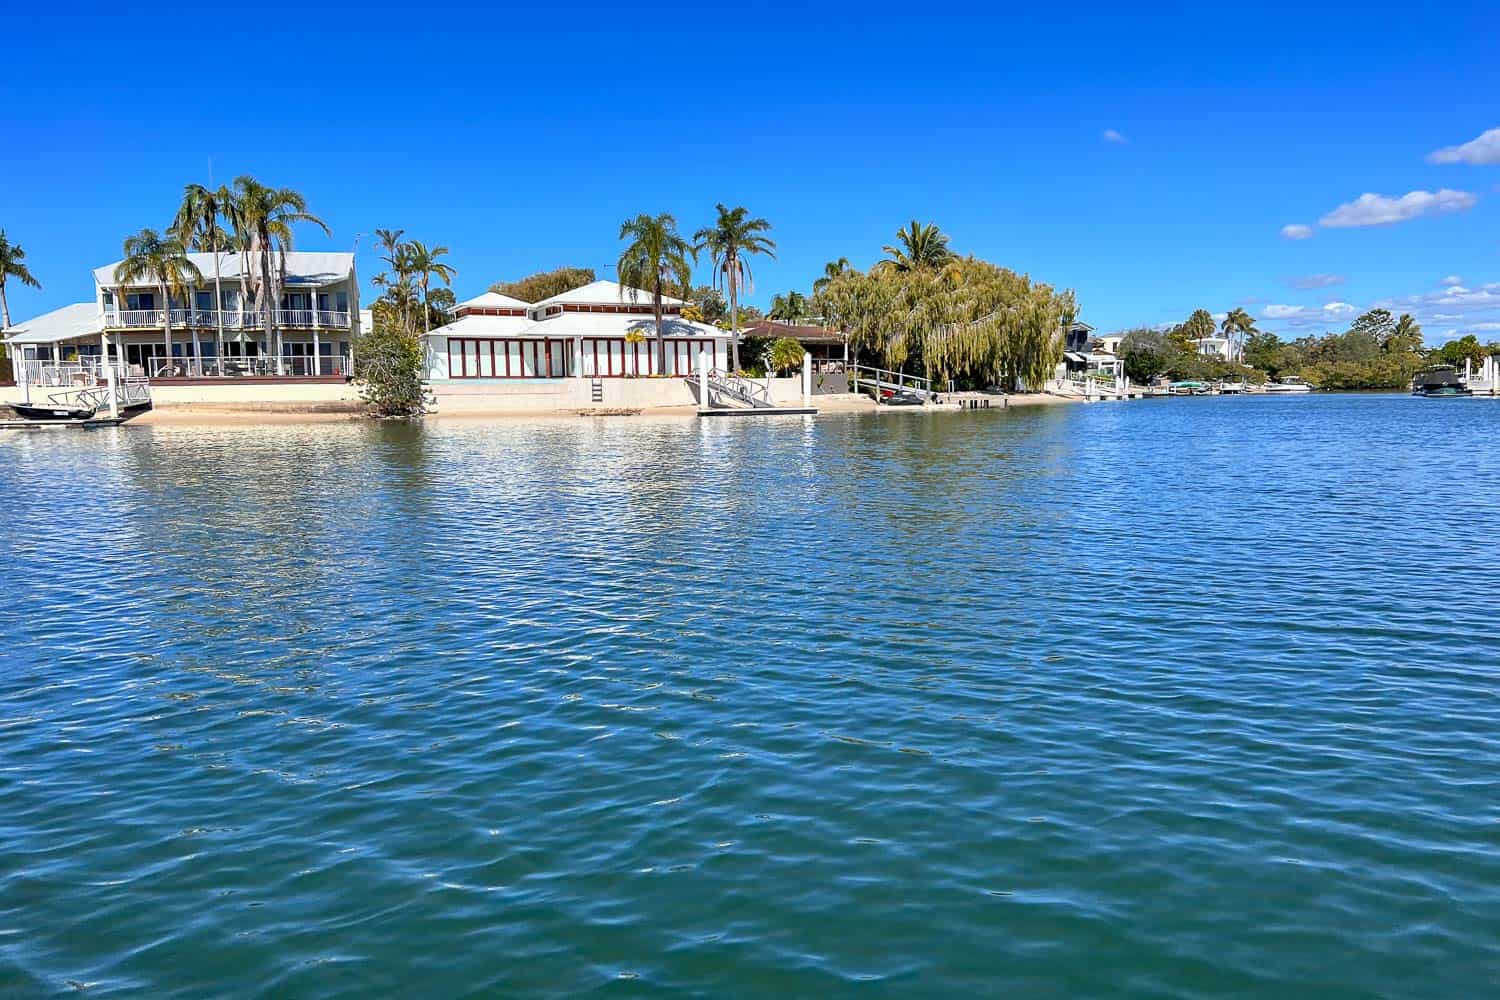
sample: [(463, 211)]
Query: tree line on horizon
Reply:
[(1379, 350)]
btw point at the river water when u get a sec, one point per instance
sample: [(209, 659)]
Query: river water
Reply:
[(1181, 698)]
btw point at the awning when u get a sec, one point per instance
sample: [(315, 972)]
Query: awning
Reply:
[(1073, 356)]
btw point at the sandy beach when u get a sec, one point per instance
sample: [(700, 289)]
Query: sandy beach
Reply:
[(242, 415)]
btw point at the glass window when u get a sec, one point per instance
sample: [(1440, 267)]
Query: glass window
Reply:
[(341, 301), (486, 359)]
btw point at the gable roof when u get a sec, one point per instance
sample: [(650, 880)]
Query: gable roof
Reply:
[(494, 300), (606, 293), (78, 320), (303, 267)]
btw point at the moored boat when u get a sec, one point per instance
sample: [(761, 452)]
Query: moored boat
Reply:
[(1289, 383), (51, 411), (1439, 382)]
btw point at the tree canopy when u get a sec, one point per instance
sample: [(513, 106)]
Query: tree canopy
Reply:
[(969, 320), (545, 284)]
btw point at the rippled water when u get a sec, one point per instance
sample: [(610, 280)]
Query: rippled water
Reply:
[(1173, 698)]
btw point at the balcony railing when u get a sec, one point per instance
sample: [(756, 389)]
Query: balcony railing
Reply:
[(89, 371), (233, 319), (297, 365)]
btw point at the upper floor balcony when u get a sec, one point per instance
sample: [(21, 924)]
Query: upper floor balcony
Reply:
[(232, 319)]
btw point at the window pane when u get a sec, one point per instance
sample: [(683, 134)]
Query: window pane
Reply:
[(513, 358), (471, 358), (486, 359)]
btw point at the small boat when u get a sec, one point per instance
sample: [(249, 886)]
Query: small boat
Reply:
[(1289, 383), (1439, 382), (902, 399), (1189, 387), (52, 411)]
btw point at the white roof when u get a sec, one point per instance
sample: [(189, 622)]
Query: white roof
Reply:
[(570, 325), (618, 325), (607, 293), (482, 326), (78, 320), (494, 300), (303, 267)]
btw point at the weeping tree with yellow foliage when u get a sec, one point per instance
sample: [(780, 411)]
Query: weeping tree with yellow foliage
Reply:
[(951, 317)]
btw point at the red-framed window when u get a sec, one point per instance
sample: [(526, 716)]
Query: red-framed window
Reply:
[(470, 357), (614, 357)]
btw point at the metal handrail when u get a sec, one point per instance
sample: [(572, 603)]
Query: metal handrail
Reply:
[(752, 394)]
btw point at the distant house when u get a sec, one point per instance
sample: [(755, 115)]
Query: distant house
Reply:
[(1215, 347), (827, 347), (1077, 338)]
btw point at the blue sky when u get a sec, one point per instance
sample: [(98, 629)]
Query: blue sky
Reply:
[(520, 138)]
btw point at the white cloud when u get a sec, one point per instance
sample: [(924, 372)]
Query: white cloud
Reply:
[(1452, 280), (1282, 312), (1297, 232), (1379, 210), (1110, 135), (1308, 281), (1339, 308), (1481, 150)]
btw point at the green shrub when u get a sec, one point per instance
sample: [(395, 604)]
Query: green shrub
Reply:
[(389, 371)]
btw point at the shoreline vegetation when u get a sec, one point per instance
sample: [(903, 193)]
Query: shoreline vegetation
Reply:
[(1378, 352), (921, 308)]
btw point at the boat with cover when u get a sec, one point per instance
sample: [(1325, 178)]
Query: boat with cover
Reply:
[(1439, 382), (1288, 383)]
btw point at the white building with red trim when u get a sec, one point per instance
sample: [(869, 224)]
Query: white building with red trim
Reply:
[(601, 330)]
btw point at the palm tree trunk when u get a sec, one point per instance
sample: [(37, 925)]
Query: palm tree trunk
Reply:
[(166, 318), (244, 290), (218, 310), (661, 345), (4, 305), (734, 321), (268, 282)]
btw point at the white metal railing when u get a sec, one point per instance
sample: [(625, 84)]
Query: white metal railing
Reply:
[(232, 319), (752, 394), (129, 392), (131, 318), (298, 365), (883, 379), (65, 374)]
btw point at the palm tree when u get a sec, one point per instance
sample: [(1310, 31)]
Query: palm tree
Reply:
[(197, 224), (831, 270), (390, 242), (423, 264), (655, 255), (269, 214), (1238, 325), (730, 240), (921, 247), (11, 256), (151, 258), (788, 308), (239, 241)]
